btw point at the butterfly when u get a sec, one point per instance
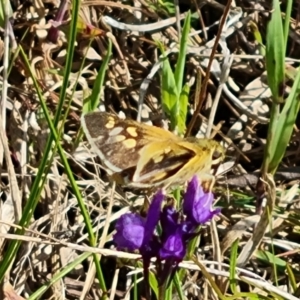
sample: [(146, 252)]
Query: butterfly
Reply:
[(138, 155)]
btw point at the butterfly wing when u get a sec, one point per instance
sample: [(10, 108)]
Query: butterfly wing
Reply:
[(113, 139), (160, 161)]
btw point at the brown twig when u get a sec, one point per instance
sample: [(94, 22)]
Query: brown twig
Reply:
[(206, 78)]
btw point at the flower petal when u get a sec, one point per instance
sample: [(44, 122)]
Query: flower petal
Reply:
[(153, 216), (197, 205), (130, 232), (193, 192), (173, 247), (203, 211), (169, 219)]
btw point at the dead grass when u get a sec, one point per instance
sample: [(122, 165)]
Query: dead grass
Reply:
[(56, 235)]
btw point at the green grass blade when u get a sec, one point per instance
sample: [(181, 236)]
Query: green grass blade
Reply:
[(287, 21), (94, 100), (291, 277), (166, 293), (40, 178), (270, 259), (169, 91), (179, 73), (284, 126), (71, 47), (46, 161), (180, 66), (38, 293), (2, 12), (183, 105), (135, 287), (69, 61), (174, 96), (232, 270), (153, 283), (275, 54), (178, 285), (281, 122)]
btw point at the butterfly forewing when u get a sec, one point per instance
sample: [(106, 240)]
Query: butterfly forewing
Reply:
[(117, 141)]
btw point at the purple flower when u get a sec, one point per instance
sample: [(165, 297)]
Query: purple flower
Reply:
[(173, 242), (197, 205), (135, 232), (173, 245)]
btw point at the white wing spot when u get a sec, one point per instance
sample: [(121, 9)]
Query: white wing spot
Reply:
[(115, 131), (116, 139)]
